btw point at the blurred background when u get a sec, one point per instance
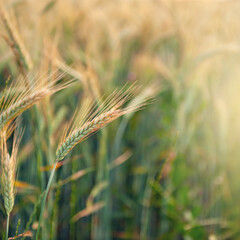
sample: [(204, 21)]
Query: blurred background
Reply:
[(169, 171)]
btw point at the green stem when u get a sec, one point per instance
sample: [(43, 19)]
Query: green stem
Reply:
[(7, 228), (45, 198)]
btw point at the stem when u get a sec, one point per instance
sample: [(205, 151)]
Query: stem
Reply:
[(7, 228), (45, 198)]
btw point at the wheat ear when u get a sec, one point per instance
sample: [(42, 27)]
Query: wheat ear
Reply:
[(19, 97), (9, 164), (14, 41), (20, 106), (82, 133), (8, 183), (94, 119)]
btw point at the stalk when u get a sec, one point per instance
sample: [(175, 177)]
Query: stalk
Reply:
[(37, 138), (45, 198), (101, 230), (52, 221), (7, 228), (73, 202)]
